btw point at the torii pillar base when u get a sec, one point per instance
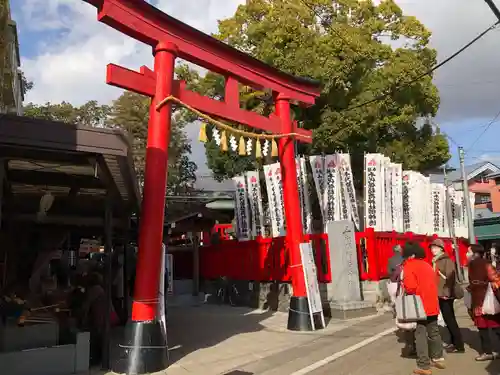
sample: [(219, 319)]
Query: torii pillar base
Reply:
[(142, 351), (298, 315)]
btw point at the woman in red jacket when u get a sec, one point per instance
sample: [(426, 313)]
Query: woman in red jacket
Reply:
[(419, 278), (481, 274)]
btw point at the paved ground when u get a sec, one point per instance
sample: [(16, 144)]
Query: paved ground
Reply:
[(218, 340), (381, 357)]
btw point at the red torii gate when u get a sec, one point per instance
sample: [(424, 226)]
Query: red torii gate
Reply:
[(170, 39)]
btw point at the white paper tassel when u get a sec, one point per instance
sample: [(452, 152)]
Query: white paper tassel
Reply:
[(216, 136), (265, 148), (233, 143), (249, 147)]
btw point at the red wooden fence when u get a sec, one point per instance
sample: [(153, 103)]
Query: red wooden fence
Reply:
[(266, 259)]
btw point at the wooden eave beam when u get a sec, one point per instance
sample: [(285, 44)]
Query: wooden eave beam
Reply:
[(63, 220), (38, 178), (105, 175)]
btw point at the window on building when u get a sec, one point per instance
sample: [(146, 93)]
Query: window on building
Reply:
[(482, 198)]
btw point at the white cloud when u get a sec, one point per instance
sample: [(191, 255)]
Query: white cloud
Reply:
[(492, 158), (72, 68)]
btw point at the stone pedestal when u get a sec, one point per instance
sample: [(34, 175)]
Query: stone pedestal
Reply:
[(351, 310), (343, 297), (272, 296)]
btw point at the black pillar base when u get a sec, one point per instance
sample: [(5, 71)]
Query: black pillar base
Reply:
[(298, 315), (142, 351)]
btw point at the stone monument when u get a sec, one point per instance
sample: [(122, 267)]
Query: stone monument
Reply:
[(343, 295)]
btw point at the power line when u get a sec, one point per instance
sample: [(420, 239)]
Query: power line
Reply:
[(451, 139), (404, 84), (493, 8), (493, 120), (419, 77), (428, 72), (484, 152)]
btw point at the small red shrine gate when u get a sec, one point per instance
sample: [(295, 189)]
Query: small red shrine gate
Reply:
[(171, 39)]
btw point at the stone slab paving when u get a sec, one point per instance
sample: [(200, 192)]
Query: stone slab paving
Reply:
[(383, 358), (216, 339), (220, 340)]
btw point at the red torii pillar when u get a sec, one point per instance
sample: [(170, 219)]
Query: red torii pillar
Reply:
[(144, 347)]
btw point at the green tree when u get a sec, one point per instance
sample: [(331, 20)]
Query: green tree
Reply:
[(130, 112), (223, 165), (359, 52), (88, 114), (27, 85)]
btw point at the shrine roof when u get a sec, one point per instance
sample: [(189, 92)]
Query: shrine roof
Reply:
[(146, 23), (81, 167)]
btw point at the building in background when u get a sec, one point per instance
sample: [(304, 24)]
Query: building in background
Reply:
[(483, 180), (480, 182), (12, 81)]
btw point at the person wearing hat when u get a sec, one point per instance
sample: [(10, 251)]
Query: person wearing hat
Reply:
[(448, 292), (482, 274), (419, 279)]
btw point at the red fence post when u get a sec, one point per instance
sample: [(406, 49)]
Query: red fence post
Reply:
[(371, 252), (360, 242)]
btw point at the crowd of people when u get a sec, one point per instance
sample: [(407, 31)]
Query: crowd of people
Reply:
[(433, 288)]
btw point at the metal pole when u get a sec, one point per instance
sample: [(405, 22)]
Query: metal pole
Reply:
[(468, 209), (108, 248), (195, 237), (451, 227)]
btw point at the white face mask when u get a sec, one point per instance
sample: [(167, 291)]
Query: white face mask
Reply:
[(436, 250)]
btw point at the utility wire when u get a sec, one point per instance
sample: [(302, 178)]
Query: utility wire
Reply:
[(451, 139), (493, 8), (493, 120), (428, 72), (417, 78)]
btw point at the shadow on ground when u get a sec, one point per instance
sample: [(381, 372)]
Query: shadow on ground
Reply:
[(471, 339), (195, 328)]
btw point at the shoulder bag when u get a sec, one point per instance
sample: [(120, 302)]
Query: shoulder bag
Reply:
[(409, 307)]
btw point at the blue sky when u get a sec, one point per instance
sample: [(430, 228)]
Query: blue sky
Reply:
[(65, 50)]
